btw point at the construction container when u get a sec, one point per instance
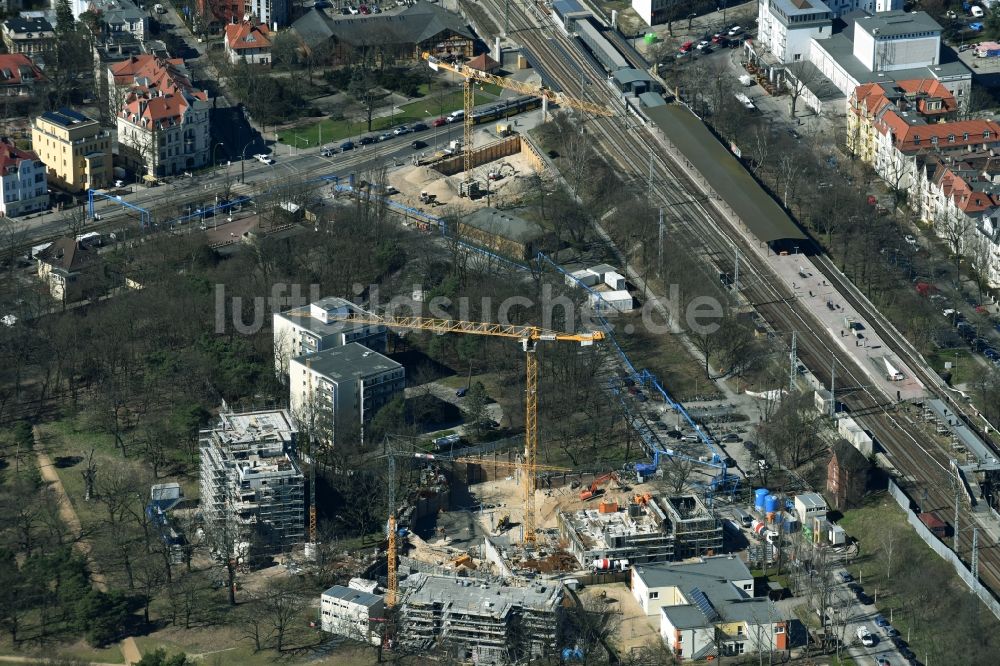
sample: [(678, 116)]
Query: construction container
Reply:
[(615, 280), (937, 526), (771, 503), (608, 507), (789, 523), (758, 498)]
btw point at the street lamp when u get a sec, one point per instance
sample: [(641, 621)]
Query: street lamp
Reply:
[(298, 138), (214, 154), (244, 161)]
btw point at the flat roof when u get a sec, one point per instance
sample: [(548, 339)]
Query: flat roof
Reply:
[(649, 99), (800, 7), (816, 82), (483, 597), (728, 177), (503, 224), (896, 23), (66, 117), (360, 597), (631, 75), (810, 500), (723, 568), (303, 317), (841, 49), (351, 361)]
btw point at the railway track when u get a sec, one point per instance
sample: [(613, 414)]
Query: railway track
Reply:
[(926, 466)]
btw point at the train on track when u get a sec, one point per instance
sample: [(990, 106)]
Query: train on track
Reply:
[(506, 108)]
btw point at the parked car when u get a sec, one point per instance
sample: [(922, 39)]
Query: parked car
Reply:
[(438, 122), (352, 9), (865, 636), (717, 37), (418, 127), (347, 145), (401, 130), (327, 151), (263, 159), (384, 136), (460, 393), (844, 577), (376, 9), (703, 45), (345, 11), (735, 30), (909, 238), (864, 599), (882, 661), (880, 621), (363, 9), (731, 437)]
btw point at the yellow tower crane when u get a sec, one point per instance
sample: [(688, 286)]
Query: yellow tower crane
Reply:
[(469, 75), (529, 337)]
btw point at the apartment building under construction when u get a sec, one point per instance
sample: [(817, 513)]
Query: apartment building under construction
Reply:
[(251, 484), (651, 528), (482, 622)]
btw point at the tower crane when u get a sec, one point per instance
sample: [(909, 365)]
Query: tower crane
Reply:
[(469, 75), (529, 336)]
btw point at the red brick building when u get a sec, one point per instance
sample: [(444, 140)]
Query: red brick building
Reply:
[(848, 476)]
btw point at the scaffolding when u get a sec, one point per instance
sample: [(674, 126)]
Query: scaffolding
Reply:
[(650, 529), (250, 478), (480, 621)]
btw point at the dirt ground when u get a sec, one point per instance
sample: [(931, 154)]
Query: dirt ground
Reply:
[(635, 629), (511, 189)]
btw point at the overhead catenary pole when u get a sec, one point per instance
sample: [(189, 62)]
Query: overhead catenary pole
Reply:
[(833, 387), (793, 363)]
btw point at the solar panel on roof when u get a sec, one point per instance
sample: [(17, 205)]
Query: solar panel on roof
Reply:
[(699, 599)]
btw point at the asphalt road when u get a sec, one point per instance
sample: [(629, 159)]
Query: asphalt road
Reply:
[(203, 186)]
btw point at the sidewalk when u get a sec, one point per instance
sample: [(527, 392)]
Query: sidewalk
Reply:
[(68, 515)]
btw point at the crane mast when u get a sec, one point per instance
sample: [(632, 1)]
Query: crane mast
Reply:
[(529, 337)]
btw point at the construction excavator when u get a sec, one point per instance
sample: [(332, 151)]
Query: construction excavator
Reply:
[(595, 487), (504, 523)]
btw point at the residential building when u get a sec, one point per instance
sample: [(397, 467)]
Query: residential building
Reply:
[(654, 12), (420, 28), (352, 613), (707, 607), (18, 75), (65, 267), (117, 16), (31, 36), (506, 234), (657, 529), (861, 47), (224, 12), (23, 182), (890, 46), (786, 28), (336, 391), (809, 506), (251, 484), (313, 328), (248, 42), (75, 149), (163, 122), (484, 623), (890, 128), (848, 475)]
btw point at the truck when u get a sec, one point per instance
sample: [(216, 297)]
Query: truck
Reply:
[(761, 532), (607, 564), (891, 372), (987, 50)]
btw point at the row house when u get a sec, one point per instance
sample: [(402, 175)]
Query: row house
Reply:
[(23, 181), (163, 122), (960, 197), (891, 126)]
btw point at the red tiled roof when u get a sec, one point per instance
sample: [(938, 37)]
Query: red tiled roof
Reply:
[(13, 156), (961, 192), (483, 63), (16, 67), (157, 72), (246, 35)]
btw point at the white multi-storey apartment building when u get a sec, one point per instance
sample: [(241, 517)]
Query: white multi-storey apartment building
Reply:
[(313, 328), (337, 390), (23, 181), (787, 27)]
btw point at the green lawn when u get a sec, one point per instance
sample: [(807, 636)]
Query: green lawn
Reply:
[(336, 130), (963, 366), (70, 651), (919, 592)]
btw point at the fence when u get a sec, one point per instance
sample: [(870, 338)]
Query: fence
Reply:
[(494, 151), (944, 551)]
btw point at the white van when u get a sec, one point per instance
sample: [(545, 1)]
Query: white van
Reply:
[(976, 11), (160, 9), (455, 116)]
